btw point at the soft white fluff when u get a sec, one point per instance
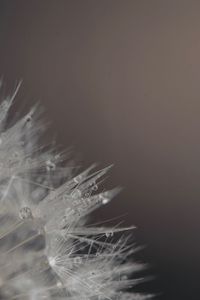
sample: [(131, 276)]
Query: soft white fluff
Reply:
[(48, 250)]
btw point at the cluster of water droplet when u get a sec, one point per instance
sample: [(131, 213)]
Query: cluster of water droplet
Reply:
[(48, 250)]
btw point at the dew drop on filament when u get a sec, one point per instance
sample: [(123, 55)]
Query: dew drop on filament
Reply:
[(25, 213)]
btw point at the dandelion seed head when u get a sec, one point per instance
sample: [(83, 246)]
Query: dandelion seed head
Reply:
[(48, 249)]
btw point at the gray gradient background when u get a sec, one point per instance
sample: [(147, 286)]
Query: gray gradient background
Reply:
[(120, 80)]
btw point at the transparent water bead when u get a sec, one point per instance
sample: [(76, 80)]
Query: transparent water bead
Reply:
[(52, 261), (104, 200), (50, 166), (25, 213), (87, 194), (109, 234), (28, 119), (95, 187)]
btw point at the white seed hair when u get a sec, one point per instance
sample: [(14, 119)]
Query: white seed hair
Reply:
[(48, 249)]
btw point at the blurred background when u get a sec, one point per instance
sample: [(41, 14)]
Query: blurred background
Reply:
[(120, 81)]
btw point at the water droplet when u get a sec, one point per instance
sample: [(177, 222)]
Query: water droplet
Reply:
[(95, 187), (87, 195), (105, 200), (109, 234), (25, 213), (28, 118), (28, 121), (50, 166), (76, 179), (52, 261)]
